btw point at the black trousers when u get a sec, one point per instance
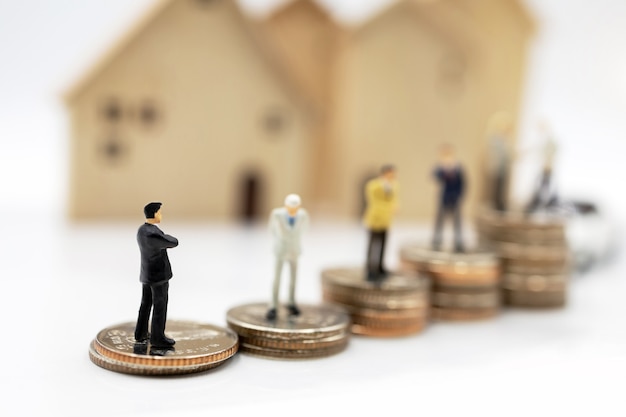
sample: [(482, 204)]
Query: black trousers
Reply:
[(499, 191), (541, 197), (376, 252), (446, 210), (153, 295)]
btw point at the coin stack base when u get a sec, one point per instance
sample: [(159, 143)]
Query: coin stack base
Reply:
[(465, 286), (395, 306), (534, 254), (318, 331), (199, 347)]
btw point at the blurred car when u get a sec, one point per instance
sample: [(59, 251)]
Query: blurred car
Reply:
[(590, 234)]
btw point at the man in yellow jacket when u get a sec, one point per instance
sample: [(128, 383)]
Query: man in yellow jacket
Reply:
[(381, 195)]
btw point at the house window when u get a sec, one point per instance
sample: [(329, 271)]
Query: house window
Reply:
[(112, 111), (274, 120), (148, 113), (112, 150)]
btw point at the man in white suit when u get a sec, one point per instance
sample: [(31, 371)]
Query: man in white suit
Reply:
[(286, 225)]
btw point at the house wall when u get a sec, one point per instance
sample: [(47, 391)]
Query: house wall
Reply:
[(220, 109), (305, 38), (405, 89)]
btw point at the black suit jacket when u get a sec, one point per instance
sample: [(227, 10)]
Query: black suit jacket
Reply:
[(153, 244)]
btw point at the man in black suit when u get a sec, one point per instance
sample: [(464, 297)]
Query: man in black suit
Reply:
[(156, 272), (449, 174)]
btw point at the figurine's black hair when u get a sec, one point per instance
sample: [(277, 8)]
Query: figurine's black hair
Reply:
[(387, 168), (150, 210)]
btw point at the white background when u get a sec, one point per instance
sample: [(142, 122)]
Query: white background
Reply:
[(62, 282)]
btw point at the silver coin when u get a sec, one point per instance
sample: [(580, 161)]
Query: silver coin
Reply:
[(423, 254), (197, 344), (519, 220), (314, 321), (293, 354), (354, 279)]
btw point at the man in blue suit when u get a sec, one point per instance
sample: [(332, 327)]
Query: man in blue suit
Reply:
[(449, 174)]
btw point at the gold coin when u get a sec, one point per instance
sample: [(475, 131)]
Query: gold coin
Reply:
[(365, 330), (489, 299), (389, 323), (459, 314), (197, 346), (561, 268), (389, 302), (535, 282), (148, 370), (546, 299), (326, 343)]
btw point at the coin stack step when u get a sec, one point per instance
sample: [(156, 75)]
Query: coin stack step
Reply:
[(465, 286), (318, 331), (198, 347), (534, 255), (395, 306)]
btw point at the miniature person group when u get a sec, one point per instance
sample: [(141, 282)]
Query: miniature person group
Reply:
[(286, 226)]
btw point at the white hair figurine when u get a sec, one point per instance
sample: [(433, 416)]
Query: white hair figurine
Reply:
[(293, 200)]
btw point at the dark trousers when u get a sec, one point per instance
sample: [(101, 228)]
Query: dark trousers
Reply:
[(499, 191), (446, 210), (376, 252), (541, 197), (152, 295)]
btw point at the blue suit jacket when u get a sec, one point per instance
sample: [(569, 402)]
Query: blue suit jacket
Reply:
[(452, 182)]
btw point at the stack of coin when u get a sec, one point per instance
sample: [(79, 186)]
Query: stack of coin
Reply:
[(395, 306), (465, 286), (318, 331), (534, 254), (198, 347)]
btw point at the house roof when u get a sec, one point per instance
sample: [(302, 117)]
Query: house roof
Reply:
[(439, 13), (288, 6), (441, 16), (252, 29)]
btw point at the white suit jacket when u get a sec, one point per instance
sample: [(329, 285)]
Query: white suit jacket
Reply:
[(287, 237)]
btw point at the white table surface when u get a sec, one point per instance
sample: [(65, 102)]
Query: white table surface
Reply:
[(66, 282)]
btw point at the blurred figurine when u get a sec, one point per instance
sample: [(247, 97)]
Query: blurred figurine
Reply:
[(498, 161), (381, 195), (451, 178), (544, 196), (155, 275), (286, 225)]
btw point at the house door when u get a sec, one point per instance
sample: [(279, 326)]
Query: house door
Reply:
[(250, 197)]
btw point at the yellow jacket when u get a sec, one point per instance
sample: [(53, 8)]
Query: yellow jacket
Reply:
[(381, 204)]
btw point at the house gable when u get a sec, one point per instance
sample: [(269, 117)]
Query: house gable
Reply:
[(221, 102)]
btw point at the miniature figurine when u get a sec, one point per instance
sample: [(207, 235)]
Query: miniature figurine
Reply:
[(498, 161), (544, 196), (286, 226), (156, 272), (451, 178), (381, 195)]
